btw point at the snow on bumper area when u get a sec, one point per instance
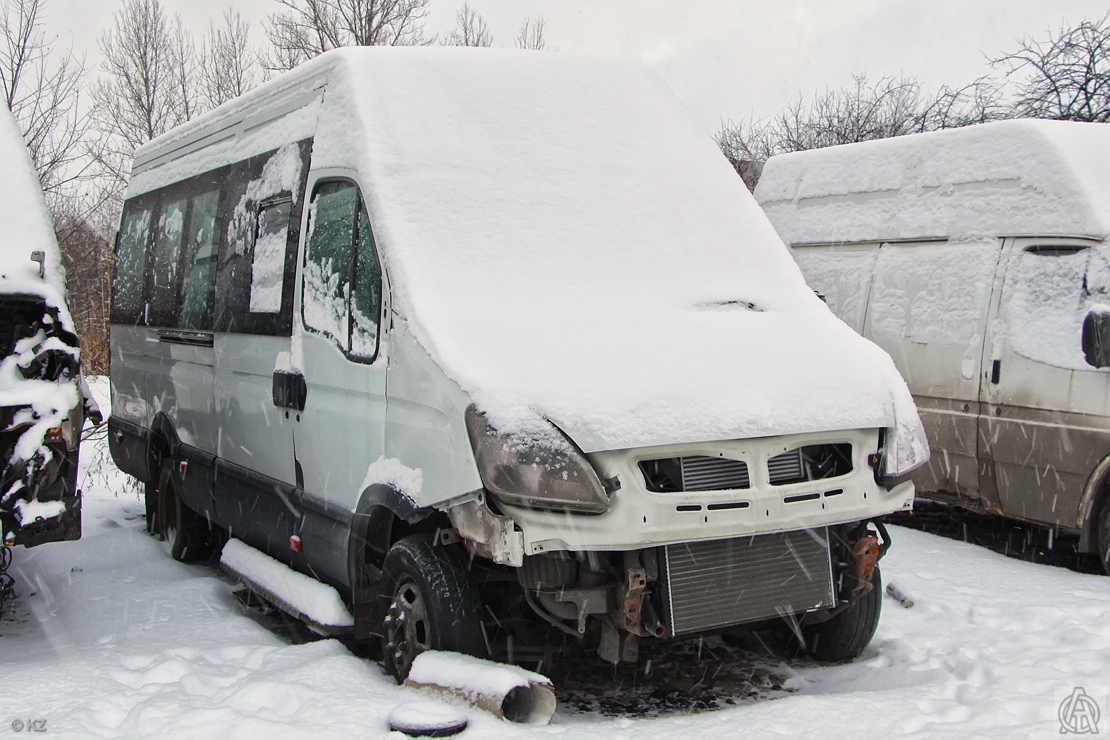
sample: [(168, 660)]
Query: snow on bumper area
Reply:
[(111, 638)]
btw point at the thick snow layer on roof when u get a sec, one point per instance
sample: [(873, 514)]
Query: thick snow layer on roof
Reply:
[(1035, 178), (27, 226), (565, 241)]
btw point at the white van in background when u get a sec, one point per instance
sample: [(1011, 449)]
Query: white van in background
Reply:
[(42, 406), (497, 345), (977, 258)]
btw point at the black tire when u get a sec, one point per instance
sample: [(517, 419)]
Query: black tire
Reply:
[(187, 533), (846, 635), (1103, 534), (429, 604), (150, 499)]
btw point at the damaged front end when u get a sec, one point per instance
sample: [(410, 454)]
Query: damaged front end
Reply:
[(42, 409), (798, 579)]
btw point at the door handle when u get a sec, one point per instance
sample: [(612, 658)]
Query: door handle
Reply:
[(996, 371), (290, 390)]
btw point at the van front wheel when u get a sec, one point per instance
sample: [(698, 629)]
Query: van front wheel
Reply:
[(431, 604), (846, 635)]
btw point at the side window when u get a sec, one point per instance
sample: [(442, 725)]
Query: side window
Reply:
[(366, 303), (327, 273), (130, 268), (199, 260), (268, 261), (260, 230), (934, 293), (841, 277), (1044, 302), (162, 296)]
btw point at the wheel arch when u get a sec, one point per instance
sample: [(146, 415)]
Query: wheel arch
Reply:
[(1096, 495), (384, 514), (161, 443)]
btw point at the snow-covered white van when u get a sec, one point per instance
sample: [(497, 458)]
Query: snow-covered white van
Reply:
[(977, 258), (41, 403), (496, 344)]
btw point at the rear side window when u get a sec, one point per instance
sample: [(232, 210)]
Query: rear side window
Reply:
[(162, 290), (130, 267), (215, 251), (200, 262), (342, 276), (268, 260)]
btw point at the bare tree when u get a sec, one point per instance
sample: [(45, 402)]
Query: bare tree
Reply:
[(147, 84), (1067, 75), (308, 28), (87, 258), (470, 29), (42, 90), (864, 111), (185, 70), (228, 66), (530, 35)]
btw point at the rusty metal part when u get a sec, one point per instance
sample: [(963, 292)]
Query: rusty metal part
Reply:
[(866, 552)]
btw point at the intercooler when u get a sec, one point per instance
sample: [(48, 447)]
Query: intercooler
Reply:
[(726, 582)]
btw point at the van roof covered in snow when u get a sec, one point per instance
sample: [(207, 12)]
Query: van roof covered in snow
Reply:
[(1010, 178), (27, 227), (565, 241)]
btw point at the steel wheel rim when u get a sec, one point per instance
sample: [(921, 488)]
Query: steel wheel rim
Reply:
[(408, 629)]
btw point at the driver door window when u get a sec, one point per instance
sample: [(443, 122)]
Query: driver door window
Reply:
[(342, 277)]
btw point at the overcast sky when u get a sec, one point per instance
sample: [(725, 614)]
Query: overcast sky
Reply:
[(724, 58)]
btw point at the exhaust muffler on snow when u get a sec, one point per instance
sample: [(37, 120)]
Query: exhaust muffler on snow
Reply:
[(503, 690)]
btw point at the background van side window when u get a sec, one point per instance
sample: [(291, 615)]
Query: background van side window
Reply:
[(1048, 291)]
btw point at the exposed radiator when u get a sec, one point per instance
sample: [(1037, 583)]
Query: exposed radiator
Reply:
[(728, 582), (700, 473), (786, 468)]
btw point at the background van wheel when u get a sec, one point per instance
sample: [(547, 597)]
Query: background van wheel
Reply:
[(430, 604), (846, 635), (187, 533), (1103, 534)]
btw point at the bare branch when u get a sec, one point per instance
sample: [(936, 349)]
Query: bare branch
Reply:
[(228, 66), (42, 89), (470, 29), (1066, 76), (530, 35), (308, 28)]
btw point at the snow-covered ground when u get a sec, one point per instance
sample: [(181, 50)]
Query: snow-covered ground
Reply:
[(111, 638)]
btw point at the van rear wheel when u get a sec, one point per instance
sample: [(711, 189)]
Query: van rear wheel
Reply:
[(187, 533), (431, 604)]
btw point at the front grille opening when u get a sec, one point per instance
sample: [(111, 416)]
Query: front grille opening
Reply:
[(812, 462), (695, 473)]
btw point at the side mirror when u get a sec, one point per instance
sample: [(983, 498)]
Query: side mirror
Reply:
[(1096, 337)]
